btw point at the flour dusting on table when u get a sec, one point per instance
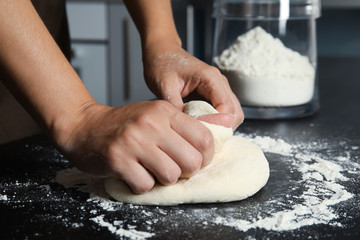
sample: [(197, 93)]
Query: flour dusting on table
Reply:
[(322, 182), (3, 197), (316, 182), (116, 227)]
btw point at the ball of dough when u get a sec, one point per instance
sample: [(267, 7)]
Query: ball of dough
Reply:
[(238, 170), (220, 133), (199, 108)]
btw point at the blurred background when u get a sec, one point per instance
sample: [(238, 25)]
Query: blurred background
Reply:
[(107, 52)]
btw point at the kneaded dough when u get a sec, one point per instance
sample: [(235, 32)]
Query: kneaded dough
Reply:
[(238, 170)]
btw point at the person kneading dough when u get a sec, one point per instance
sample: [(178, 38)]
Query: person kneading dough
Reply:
[(238, 170), (141, 143)]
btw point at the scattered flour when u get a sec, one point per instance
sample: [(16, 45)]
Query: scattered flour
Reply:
[(116, 227), (268, 144), (104, 203), (264, 72), (322, 190), (3, 197), (320, 181), (310, 186)]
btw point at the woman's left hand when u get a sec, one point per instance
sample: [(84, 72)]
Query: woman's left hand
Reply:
[(172, 74)]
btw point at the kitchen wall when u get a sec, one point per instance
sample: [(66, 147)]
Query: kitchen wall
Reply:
[(338, 29), (107, 50), (339, 32), (107, 53)]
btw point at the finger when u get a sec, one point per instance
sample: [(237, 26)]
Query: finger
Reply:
[(196, 134), (239, 114), (171, 92), (214, 87), (237, 111), (136, 176), (224, 100), (187, 157), (224, 119), (165, 169)]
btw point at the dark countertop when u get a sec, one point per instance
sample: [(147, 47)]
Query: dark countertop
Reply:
[(33, 206)]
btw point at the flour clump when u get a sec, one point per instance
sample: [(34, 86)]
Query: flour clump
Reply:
[(264, 72)]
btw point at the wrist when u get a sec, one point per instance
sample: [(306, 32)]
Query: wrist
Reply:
[(66, 127), (154, 20), (157, 38)]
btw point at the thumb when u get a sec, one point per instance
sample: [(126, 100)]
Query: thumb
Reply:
[(224, 119), (171, 94)]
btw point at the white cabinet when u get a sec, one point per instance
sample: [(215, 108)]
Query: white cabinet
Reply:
[(107, 52)]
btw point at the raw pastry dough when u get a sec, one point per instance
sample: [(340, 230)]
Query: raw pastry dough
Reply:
[(238, 170)]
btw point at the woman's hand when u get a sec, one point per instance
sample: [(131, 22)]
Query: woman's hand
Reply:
[(171, 73), (139, 143)]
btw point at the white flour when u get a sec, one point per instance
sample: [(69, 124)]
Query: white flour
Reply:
[(116, 227), (322, 182), (3, 197), (316, 183), (263, 72)]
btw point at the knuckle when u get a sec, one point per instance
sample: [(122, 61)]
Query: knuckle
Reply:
[(194, 164), (213, 71), (224, 78), (207, 141), (161, 105), (241, 116), (114, 162), (143, 187), (130, 134), (238, 112), (151, 116), (111, 152), (145, 120), (207, 147), (231, 108), (170, 177)]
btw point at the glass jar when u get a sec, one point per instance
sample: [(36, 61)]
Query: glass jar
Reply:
[(267, 50)]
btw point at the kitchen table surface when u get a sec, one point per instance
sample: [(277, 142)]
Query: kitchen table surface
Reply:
[(34, 206)]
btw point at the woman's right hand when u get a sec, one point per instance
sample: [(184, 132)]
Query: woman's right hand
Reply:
[(138, 143)]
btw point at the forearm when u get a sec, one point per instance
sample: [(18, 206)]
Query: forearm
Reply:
[(172, 73), (36, 71), (154, 20)]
